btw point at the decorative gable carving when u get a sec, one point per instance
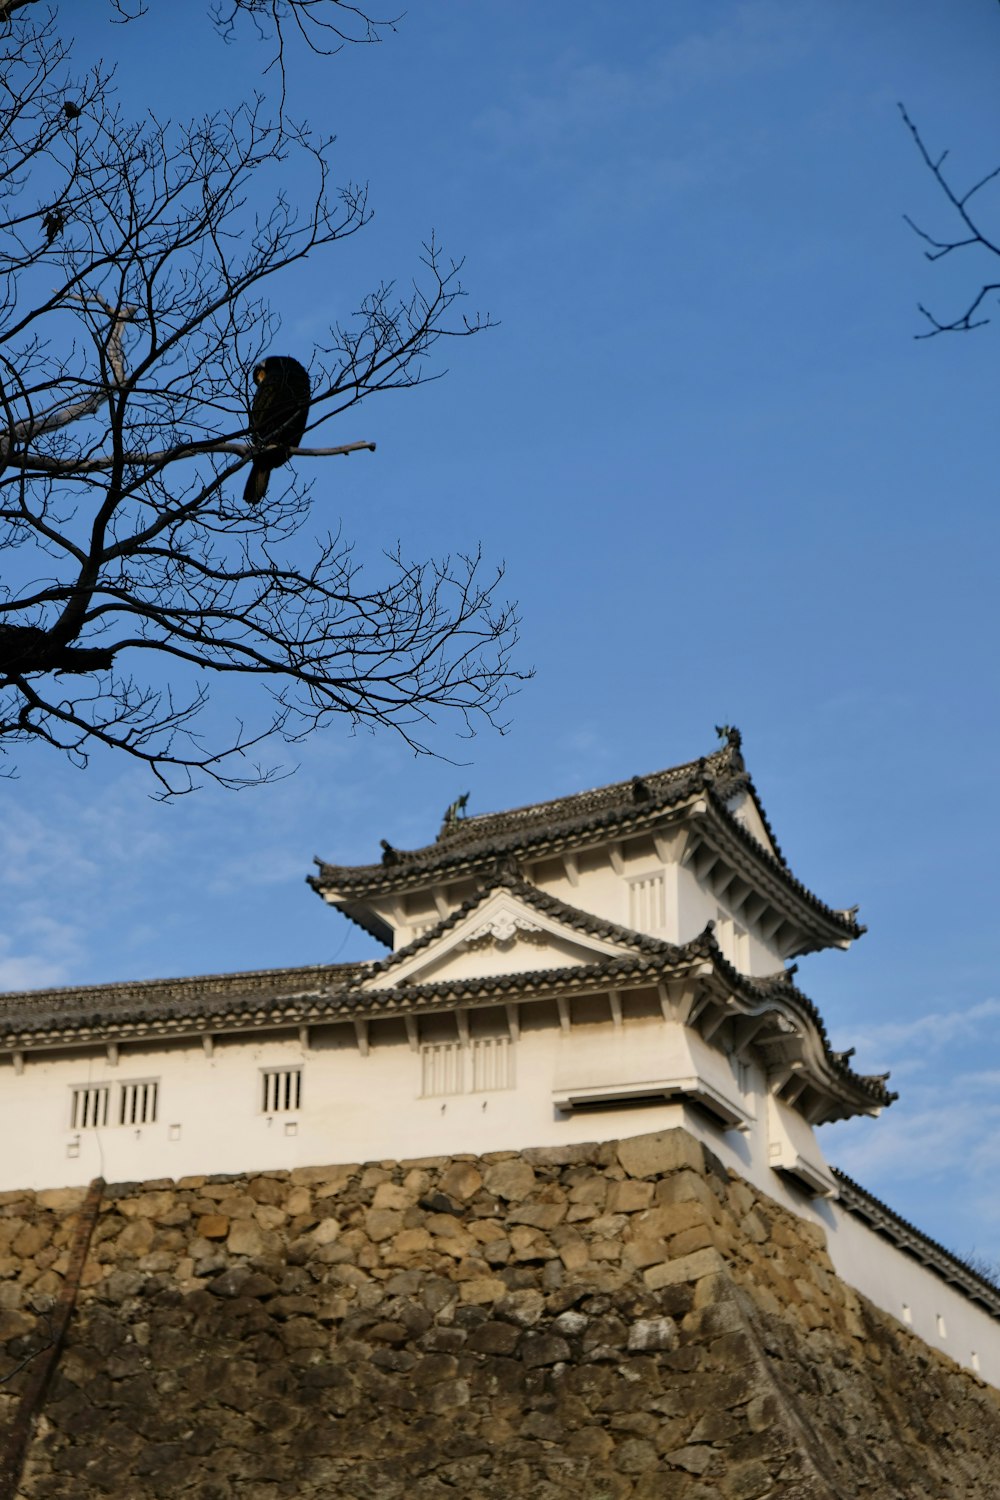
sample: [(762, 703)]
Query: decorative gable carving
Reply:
[(503, 930), (503, 935)]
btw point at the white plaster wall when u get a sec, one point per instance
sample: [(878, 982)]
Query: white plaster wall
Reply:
[(938, 1312), (598, 888), (359, 1108)]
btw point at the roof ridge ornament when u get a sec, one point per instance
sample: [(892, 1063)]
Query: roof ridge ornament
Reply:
[(506, 871), (734, 744), (454, 814)]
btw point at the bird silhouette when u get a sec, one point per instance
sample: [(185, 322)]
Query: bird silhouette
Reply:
[(277, 419)]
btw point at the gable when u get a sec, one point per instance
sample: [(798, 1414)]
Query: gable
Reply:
[(744, 809), (503, 934)]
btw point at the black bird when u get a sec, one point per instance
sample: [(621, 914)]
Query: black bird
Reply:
[(277, 418), (70, 110), (53, 222)]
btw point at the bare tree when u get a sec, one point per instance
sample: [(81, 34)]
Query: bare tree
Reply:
[(970, 234), (135, 264)]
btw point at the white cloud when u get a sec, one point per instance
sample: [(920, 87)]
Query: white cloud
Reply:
[(937, 1150), (584, 98), (40, 955), (933, 1030)]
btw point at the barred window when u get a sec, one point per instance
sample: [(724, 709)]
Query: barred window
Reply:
[(280, 1090), (89, 1107), (485, 1064), (647, 903), (442, 1068), (492, 1063), (137, 1102)]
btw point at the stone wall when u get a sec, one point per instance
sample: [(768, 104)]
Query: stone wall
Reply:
[(623, 1321)]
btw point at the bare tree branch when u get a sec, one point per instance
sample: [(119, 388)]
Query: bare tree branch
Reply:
[(972, 236), (135, 262)]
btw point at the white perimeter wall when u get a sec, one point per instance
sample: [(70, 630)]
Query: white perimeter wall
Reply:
[(369, 1108)]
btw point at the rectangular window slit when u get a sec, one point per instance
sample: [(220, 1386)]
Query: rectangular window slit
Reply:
[(485, 1064), (137, 1102), (647, 903), (281, 1090), (89, 1109)]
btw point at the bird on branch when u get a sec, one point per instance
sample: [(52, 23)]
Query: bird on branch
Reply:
[(53, 222), (277, 419)]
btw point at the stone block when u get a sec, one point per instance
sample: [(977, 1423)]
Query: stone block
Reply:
[(645, 1252), (635, 1456), (748, 1481), (298, 1200), (494, 1338), (212, 1226), (61, 1200), (695, 1459), (482, 1289), (561, 1156), (412, 1241), (330, 1179), (686, 1268), (652, 1333), (150, 1205), (14, 1323), (591, 1189), (538, 1215), (540, 1349), (609, 1226), (245, 1238), (30, 1239), (590, 1442), (136, 1238), (448, 1394), (696, 1238), (686, 1187), (325, 1232), (662, 1151), (524, 1306), (574, 1254), (269, 1217), (382, 1223), (628, 1196), (511, 1180), (391, 1195), (461, 1181)]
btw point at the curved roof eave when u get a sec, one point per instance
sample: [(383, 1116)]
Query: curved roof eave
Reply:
[(170, 1009), (347, 886)]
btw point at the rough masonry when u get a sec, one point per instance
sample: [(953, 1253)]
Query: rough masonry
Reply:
[(624, 1321)]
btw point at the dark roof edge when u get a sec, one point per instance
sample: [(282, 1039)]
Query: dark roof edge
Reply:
[(314, 1003), (187, 984), (778, 986), (552, 906), (469, 859), (864, 1205)]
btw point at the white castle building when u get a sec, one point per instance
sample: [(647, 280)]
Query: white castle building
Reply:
[(603, 965)]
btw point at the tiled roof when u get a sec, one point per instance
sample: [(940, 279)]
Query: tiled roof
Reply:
[(561, 911), (864, 1205), (723, 769), (681, 956), (472, 846), (270, 998), (104, 1004)]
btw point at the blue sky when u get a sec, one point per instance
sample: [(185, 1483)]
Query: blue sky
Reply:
[(728, 483)]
